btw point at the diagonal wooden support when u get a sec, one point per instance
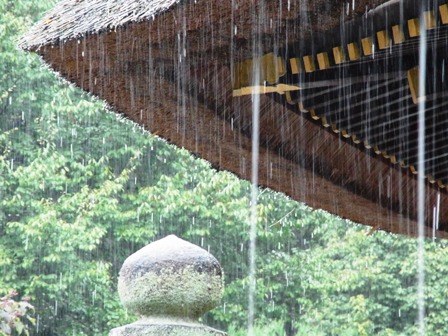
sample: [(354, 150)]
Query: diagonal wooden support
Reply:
[(413, 81)]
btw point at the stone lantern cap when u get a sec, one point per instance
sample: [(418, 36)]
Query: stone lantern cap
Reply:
[(170, 278)]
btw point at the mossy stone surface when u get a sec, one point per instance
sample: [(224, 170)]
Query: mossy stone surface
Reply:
[(171, 277)]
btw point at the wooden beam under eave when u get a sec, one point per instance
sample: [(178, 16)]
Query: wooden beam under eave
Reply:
[(205, 131)]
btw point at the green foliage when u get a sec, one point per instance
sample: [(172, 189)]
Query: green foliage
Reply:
[(80, 190), (275, 328)]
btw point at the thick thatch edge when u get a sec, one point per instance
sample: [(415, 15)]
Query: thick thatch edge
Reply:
[(54, 27)]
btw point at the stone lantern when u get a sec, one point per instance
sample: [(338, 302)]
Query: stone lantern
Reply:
[(169, 284)]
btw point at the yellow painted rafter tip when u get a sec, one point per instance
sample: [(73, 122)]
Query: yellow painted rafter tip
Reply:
[(296, 67), (376, 149), (398, 34), (430, 20), (443, 9), (355, 139), (345, 134), (302, 108), (339, 55), (323, 61), (308, 61), (353, 51), (367, 46), (313, 114), (402, 164), (325, 122), (414, 27), (334, 128), (383, 39)]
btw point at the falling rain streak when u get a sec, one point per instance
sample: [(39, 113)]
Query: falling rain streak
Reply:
[(253, 220), (421, 179)]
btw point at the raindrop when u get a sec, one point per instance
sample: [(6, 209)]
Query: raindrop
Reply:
[(443, 71), (438, 210), (93, 296)]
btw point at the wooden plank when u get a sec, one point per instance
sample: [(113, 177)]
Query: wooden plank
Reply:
[(413, 82)]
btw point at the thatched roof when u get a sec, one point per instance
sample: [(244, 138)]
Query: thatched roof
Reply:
[(181, 69), (73, 19)]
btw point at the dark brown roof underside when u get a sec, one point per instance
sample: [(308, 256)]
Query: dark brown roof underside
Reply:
[(137, 70)]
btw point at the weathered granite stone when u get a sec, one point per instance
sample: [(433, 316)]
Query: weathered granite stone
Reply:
[(165, 328), (169, 283)]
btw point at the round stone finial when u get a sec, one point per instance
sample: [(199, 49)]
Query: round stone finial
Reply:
[(171, 278)]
